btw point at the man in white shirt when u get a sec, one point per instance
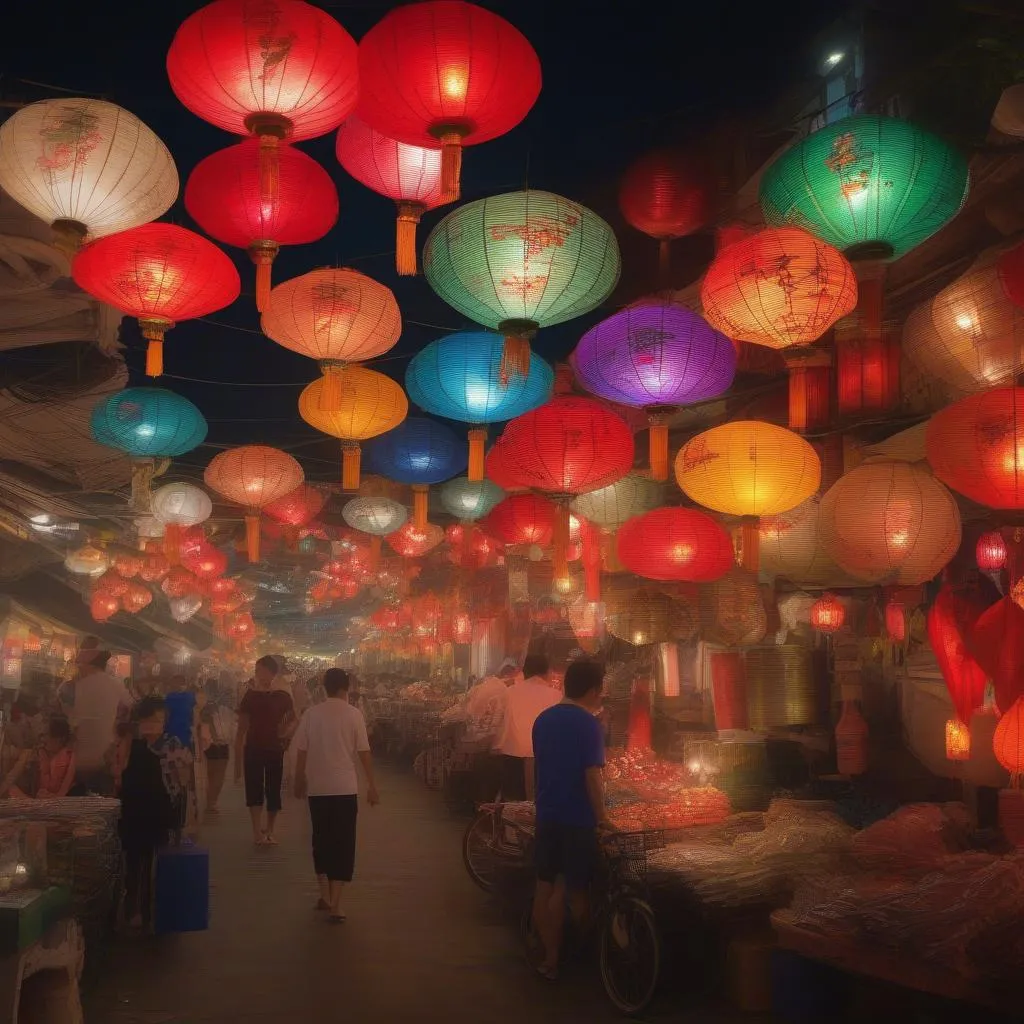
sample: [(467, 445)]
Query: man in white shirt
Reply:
[(527, 698), (330, 739)]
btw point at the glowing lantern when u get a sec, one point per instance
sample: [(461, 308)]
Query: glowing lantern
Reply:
[(976, 446), (184, 608), (748, 468), (523, 519), (990, 551), (179, 582), (369, 403), (136, 599), (469, 500), (519, 262), (791, 546), (1008, 742), (127, 565), (230, 198), (458, 377), (253, 476), (890, 522), (419, 452), (778, 287), (113, 583), (87, 561), (408, 175), (376, 516), (334, 316), (655, 356), (86, 167), (611, 506), (179, 506), (648, 616), (414, 541), (675, 544), (958, 740), (471, 548), (159, 274), (155, 566), (207, 562), (896, 621), (828, 614), (872, 186), (996, 639), (298, 507), (103, 606), (447, 73)]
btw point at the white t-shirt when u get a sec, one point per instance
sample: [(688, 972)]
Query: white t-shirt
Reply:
[(98, 698), (527, 698), (485, 708), (332, 734)]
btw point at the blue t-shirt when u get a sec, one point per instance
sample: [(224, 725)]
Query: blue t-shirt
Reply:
[(567, 740), (180, 705)]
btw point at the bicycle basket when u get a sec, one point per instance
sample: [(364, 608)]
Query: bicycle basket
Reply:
[(626, 852)]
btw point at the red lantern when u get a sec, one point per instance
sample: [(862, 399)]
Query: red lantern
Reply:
[(408, 175), (128, 565), (896, 621), (675, 544), (180, 582), (229, 197), (207, 562), (997, 642), (413, 541), (112, 583), (241, 627), (446, 72), (472, 548), (522, 519), (221, 587), (297, 507), (991, 551), (950, 618), (155, 567), (159, 274), (103, 606), (828, 614), (137, 598)]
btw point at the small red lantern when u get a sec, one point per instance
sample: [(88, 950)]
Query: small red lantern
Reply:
[(522, 519), (827, 614), (103, 606), (207, 562), (112, 583), (991, 551), (128, 565), (136, 598), (413, 541), (180, 582), (155, 566), (896, 621)]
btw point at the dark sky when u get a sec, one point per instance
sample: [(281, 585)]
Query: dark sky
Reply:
[(619, 77)]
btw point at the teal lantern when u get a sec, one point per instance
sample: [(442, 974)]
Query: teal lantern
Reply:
[(469, 500), (458, 377), (521, 261), (874, 187)]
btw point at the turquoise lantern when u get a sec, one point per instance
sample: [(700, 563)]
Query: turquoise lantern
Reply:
[(470, 500), (459, 378)]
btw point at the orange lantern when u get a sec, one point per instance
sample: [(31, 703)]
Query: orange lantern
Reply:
[(828, 614), (136, 598), (1008, 741), (958, 740), (103, 606)]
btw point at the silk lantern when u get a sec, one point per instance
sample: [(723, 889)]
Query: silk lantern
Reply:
[(179, 506), (104, 606), (890, 522), (253, 476), (521, 261), (335, 316), (408, 175), (418, 452), (458, 377), (948, 618), (136, 599), (828, 614), (522, 519), (229, 197), (86, 167), (990, 551), (655, 356), (159, 274), (751, 469), (414, 541), (368, 403), (872, 186), (446, 73), (469, 500), (375, 516), (778, 287), (675, 544)]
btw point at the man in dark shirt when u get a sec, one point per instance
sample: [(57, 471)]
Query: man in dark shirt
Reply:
[(264, 717), (568, 748)]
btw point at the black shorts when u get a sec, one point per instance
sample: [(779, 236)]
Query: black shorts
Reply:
[(264, 772), (567, 851), (334, 835), (217, 752)]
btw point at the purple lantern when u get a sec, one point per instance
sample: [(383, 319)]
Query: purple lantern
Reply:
[(655, 356)]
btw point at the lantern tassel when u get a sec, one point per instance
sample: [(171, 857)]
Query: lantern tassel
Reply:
[(350, 463), (155, 359), (560, 543), (750, 545), (798, 399), (451, 166), (477, 441), (331, 391), (252, 536), (658, 450), (515, 358), (405, 238), (262, 254), (591, 562), (419, 505)]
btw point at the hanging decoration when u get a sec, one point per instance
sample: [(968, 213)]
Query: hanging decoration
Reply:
[(522, 519), (1008, 742), (87, 561), (656, 356), (458, 377), (86, 167), (521, 261), (828, 614), (990, 551), (996, 641), (609, 507), (791, 546), (648, 616), (377, 517), (675, 544), (178, 506), (414, 541), (469, 500), (446, 73), (948, 618), (958, 740)]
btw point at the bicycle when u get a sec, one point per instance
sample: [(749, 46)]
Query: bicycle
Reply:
[(493, 843), (623, 923)]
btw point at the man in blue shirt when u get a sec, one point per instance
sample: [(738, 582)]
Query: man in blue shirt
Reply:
[(568, 748)]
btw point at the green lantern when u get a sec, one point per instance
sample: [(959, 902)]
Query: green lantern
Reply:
[(874, 187), (521, 261)]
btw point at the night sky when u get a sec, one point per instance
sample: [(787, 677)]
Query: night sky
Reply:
[(619, 77)]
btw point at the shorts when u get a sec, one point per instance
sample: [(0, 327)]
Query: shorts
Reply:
[(513, 778), (264, 774), (334, 835), (217, 752), (567, 851)]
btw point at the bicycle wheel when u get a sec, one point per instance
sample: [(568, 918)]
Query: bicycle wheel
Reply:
[(478, 850), (630, 954)]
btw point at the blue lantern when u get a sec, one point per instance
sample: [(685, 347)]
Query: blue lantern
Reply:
[(148, 423)]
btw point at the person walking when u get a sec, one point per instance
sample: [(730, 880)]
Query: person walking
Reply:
[(263, 720), (330, 740), (568, 745), (527, 698)]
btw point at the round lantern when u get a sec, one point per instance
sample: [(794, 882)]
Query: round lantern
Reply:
[(675, 544), (86, 167), (791, 546), (229, 197), (207, 562), (127, 565), (778, 287), (521, 261), (459, 377), (1008, 741), (655, 356), (890, 522), (148, 423), (976, 446), (87, 561), (104, 606), (368, 403), (448, 73), (469, 500), (990, 551), (184, 608), (253, 476), (179, 506), (871, 186), (611, 506), (113, 583), (136, 599), (896, 621), (408, 175), (298, 507), (647, 616), (522, 519), (827, 614), (414, 541), (472, 548), (376, 516), (335, 316), (155, 566)]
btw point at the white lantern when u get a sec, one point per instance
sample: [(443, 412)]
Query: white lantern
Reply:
[(87, 561), (181, 504), (149, 528), (87, 167), (611, 506), (183, 608), (376, 516)]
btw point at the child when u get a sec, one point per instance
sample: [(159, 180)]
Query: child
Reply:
[(56, 761)]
